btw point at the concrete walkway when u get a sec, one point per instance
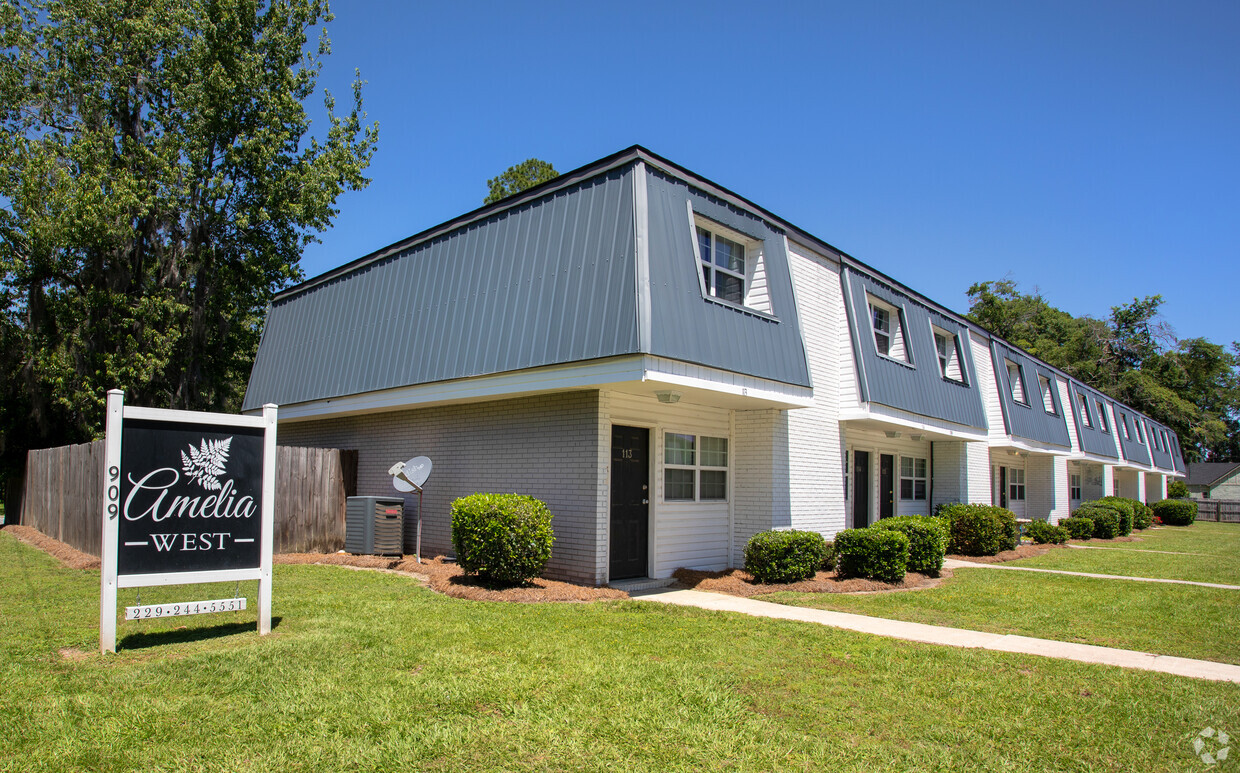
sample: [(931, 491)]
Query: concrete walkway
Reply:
[(953, 563), (952, 637), (1131, 550)]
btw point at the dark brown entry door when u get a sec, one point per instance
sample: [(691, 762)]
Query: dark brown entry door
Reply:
[(1003, 495), (886, 486), (630, 501), (861, 489)]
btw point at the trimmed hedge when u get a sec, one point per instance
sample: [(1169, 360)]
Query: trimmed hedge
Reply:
[(1106, 519), (1143, 518), (830, 559), (1127, 509), (1176, 512), (1042, 533), (784, 556), (981, 530), (502, 538), (1078, 527), (1177, 489), (927, 541), (875, 554)]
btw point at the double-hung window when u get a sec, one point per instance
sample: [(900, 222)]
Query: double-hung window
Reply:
[(887, 323), (948, 348), (723, 265), (1048, 399), (912, 478), (1140, 437), (1074, 486), (1084, 403), (695, 468), (1016, 484), (1016, 383)]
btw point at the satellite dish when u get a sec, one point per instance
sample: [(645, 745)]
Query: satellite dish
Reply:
[(411, 475)]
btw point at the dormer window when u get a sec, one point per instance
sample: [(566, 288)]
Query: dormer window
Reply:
[(731, 265), (1140, 437), (723, 266), (948, 347), (1016, 383), (1123, 421), (887, 323), (1102, 419), (1048, 399), (1084, 403)]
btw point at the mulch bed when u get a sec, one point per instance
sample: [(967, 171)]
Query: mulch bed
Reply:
[(70, 557), (738, 582), (447, 578)]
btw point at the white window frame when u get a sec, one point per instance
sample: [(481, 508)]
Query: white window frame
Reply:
[(1123, 421), (1074, 486), (1013, 383), (1016, 484), (897, 342), (1048, 398), (914, 479), (753, 258), (1084, 405), (697, 468), (951, 368), (1103, 424)]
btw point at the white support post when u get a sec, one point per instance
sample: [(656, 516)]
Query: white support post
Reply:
[(269, 509), (111, 520), (1108, 480)]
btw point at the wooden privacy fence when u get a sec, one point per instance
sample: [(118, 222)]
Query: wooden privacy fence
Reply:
[(62, 489), (1221, 510)]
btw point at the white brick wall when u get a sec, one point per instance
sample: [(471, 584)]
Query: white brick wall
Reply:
[(815, 461), (545, 446), (760, 489), (1046, 481), (980, 486)]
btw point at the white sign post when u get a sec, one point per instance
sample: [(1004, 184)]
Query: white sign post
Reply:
[(188, 498)]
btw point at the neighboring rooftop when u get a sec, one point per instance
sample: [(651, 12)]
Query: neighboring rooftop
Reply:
[(1210, 473)]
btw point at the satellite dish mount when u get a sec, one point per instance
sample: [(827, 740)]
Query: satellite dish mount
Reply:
[(408, 477)]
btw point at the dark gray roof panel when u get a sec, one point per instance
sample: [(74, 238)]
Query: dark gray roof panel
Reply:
[(1176, 455), (1135, 448), (1029, 420), (684, 325), (1092, 439), (1210, 473), (918, 387), (1160, 454), (549, 282)]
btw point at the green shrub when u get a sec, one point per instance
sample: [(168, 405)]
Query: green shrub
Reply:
[(876, 554), (1177, 489), (1176, 512), (1126, 509), (502, 538), (784, 556), (1143, 517), (1042, 533), (1105, 518), (981, 530), (1078, 527), (830, 559), (927, 540)]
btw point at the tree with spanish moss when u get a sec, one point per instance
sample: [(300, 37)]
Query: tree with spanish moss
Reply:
[(158, 181)]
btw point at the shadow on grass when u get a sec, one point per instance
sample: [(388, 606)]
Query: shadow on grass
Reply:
[(138, 641)]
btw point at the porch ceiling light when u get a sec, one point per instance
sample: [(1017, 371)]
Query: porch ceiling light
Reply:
[(892, 433), (668, 396), (916, 438)]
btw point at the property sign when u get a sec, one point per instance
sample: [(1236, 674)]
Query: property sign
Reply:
[(188, 498)]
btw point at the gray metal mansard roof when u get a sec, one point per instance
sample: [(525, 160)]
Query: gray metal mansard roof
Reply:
[(549, 276)]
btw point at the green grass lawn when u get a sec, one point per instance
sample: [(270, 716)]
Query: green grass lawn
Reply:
[(1181, 620), (369, 671), (1214, 549)]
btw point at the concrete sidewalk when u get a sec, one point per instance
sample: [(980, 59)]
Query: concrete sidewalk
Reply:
[(953, 563), (952, 637)]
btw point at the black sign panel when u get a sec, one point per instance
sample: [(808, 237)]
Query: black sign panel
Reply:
[(190, 497)]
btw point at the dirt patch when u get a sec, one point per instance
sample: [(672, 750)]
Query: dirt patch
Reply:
[(737, 582), (66, 555), (447, 578), (1024, 551)]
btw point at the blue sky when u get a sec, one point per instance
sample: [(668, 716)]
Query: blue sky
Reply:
[(1088, 150)]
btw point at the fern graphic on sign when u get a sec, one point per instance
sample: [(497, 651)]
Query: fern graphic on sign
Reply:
[(205, 464)]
